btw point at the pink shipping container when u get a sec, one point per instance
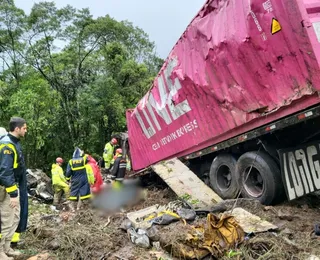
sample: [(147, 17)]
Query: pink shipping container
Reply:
[(238, 66)]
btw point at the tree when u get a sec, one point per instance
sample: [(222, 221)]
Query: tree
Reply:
[(71, 76)]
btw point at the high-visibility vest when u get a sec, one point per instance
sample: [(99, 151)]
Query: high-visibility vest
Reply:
[(6, 142)]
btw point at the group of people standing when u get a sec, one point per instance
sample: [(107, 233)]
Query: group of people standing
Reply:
[(81, 179), (84, 174), (80, 174)]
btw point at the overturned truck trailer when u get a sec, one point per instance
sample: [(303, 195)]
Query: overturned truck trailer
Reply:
[(238, 99)]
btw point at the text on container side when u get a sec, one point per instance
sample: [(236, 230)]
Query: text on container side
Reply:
[(185, 129)]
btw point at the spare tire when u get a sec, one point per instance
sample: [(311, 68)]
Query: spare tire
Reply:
[(223, 178), (259, 177)]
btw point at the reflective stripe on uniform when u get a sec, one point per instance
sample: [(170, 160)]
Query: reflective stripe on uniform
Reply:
[(78, 168), (16, 237), (12, 188), (73, 198), (86, 196), (15, 159)]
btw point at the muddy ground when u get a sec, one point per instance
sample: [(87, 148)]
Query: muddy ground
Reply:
[(88, 235)]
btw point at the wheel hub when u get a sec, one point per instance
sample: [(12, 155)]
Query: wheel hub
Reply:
[(253, 182), (224, 177)]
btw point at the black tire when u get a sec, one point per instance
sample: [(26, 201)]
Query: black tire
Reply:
[(259, 177), (223, 178)]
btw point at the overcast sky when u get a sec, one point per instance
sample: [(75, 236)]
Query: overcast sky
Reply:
[(163, 20)]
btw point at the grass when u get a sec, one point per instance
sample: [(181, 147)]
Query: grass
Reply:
[(186, 196)]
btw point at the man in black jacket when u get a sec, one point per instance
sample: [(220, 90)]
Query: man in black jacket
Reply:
[(118, 170), (13, 186)]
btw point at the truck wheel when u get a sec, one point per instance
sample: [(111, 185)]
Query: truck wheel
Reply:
[(223, 178), (259, 177)]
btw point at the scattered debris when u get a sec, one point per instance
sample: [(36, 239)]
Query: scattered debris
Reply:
[(139, 238), (313, 257), (251, 223), (54, 244), (160, 255), (285, 216), (214, 237), (136, 217), (39, 185), (126, 224), (42, 256), (153, 234), (90, 235), (187, 214), (108, 222), (43, 232), (162, 218)]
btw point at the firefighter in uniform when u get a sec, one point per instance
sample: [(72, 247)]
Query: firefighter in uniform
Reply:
[(119, 168), (81, 176), (108, 152), (59, 182)]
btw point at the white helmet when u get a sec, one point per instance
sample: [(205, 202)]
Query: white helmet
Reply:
[(3, 131)]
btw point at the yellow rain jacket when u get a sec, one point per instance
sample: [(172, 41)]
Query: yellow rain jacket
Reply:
[(59, 183), (90, 174), (58, 177), (108, 154)]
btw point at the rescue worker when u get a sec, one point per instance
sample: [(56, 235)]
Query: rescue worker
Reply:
[(98, 181), (114, 158), (13, 187), (108, 153), (59, 182), (16, 236), (81, 176), (119, 168)]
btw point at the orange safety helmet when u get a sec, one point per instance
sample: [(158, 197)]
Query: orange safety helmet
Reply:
[(119, 150), (114, 141), (59, 160)]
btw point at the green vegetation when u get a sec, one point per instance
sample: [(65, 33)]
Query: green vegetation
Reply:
[(71, 76)]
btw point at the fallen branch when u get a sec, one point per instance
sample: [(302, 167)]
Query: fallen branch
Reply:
[(120, 258), (108, 222)]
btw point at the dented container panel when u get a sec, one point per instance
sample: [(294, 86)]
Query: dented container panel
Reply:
[(239, 65)]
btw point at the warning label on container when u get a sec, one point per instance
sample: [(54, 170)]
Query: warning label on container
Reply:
[(275, 26)]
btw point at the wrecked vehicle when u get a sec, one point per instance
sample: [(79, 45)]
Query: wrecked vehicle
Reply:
[(238, 100), (39, 185)]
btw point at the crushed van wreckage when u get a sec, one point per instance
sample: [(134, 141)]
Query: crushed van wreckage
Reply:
[(39, 185)]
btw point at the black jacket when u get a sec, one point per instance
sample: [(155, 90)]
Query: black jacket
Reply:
[(119, 168), (13, 175)]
